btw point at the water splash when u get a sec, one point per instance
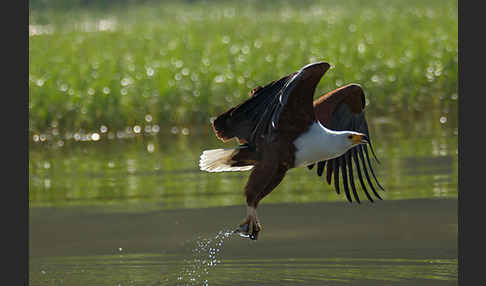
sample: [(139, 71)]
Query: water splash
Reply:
[(205, 256)]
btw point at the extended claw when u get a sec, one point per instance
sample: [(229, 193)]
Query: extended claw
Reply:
[(250, 227)]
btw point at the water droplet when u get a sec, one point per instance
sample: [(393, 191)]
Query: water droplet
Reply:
[(150, 147), (35, 138), (178, 64), (234, 49), (150, 71), (361, 48), (245, 49), (257, 44), (241, 58), (106, 90), (95, 136), (137, 129), (443, 119), (219, 79), (103, 129)]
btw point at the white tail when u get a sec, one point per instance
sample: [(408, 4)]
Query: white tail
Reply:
[(219, 160)]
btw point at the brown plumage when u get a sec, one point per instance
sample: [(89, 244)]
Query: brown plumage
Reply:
[(278, 129)]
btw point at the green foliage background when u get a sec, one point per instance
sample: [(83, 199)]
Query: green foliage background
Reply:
[(112, 63)]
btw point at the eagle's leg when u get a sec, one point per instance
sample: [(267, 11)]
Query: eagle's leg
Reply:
[(251, 225), (263, 179)]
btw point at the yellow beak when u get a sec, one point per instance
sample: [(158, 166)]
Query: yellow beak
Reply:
[(359, 139)]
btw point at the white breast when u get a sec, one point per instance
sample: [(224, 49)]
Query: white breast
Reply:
[(317, 144)]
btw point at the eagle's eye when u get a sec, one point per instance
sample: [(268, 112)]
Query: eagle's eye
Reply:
[(350, 136)]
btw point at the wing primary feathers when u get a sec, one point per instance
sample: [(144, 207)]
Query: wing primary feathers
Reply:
[(320, 167), (351, 178), (310, 166), (366, 172), (358, 169), (283, 95), (374, 155), (329, 171), (345, 179), (336, 174), (369, 164), (340, 110), (263, 120)]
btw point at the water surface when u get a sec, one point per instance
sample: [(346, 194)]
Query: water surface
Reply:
[(137, 211)]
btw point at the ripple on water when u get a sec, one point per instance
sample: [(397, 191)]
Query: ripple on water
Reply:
[(158, 270)]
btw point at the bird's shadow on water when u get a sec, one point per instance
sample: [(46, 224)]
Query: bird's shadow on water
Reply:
[(206, 254)]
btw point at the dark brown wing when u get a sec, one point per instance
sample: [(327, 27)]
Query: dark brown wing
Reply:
[(343, 109), (285, 104)]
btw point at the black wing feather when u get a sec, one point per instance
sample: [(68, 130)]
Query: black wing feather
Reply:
[(320, 167), (358, 169), (345, 179), (252, 118), (351, 178), (343, 119), (330, 167), (365, 169), (371, 168), (258, 118), (336, 175)]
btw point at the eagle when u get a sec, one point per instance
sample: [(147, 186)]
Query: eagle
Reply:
[(281, 127)]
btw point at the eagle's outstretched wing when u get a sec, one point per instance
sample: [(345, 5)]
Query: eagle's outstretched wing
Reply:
[(343, 109), (264, 114)]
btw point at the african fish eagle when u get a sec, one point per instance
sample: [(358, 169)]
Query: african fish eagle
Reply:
[(280, 127)]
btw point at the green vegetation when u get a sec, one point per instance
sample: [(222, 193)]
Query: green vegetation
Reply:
[(182, 63), (161, 171)]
